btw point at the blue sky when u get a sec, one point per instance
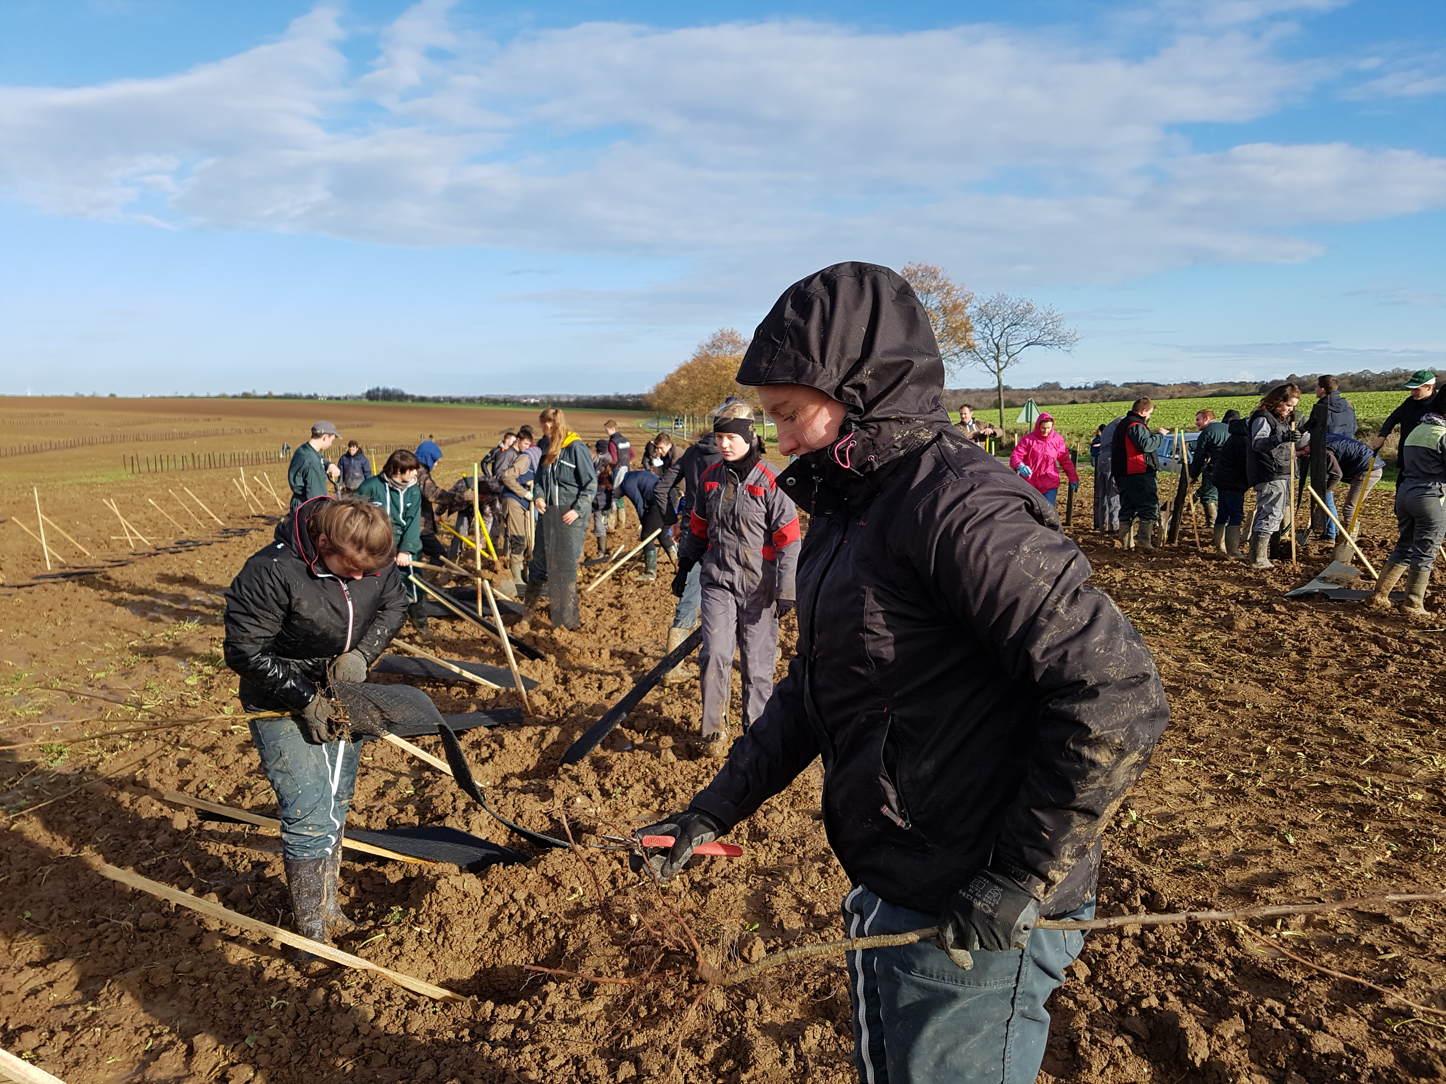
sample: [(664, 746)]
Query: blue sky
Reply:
[(475, 198)]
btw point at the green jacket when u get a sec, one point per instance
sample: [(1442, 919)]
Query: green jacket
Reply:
[(404, 509), (306, 475), (570, 481)]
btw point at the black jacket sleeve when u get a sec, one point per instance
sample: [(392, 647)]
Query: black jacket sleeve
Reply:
[(1393, 419), (256, 606), (670, 478), (1019, 584), (767, 758), (390, 617)]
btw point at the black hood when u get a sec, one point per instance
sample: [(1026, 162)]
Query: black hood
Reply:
[(857, 333), (294, 533)]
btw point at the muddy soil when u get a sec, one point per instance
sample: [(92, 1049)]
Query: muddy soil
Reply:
[(1303, 762)]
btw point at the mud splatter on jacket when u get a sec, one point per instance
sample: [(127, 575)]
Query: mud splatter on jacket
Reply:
[(972, 698), (745, 533), (287, 617)]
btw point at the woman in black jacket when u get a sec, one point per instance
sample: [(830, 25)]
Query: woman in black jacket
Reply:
[(318, 605), (979, 709)]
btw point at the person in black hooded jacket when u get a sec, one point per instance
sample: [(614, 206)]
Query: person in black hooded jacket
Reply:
[(979, 709), (318, 605)]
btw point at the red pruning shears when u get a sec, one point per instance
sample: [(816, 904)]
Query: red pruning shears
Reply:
[(720, 850)]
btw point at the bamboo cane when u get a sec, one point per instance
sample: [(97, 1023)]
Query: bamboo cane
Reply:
[(267, 476), (1290, 507), (13, 1068), (40, 520), (1344, 532), (424, 654), (195, 518), (203, 506), (67, 537), (246, 489), (131, 526), (623, 560), (250, 508), (168, 515), (35, 536), (506, 646), (175, 797), (1185, 466), (449, 571), (420, 754), (130, 542), (477, 529), (266, 488), (265, 929)]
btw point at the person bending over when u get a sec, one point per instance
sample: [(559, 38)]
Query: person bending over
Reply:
[(318, 605), (980, 710)]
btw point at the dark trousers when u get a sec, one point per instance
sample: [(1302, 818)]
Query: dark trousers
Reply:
[(920, 1019), (556, 550), (1231, 510), (1139, 497)]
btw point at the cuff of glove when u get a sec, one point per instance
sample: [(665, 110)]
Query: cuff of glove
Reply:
[(717, 809), (1006, 866)]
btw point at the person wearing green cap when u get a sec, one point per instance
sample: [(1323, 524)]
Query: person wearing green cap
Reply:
[(1424, 398)]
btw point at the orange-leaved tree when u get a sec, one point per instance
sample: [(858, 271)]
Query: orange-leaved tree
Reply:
[(698, 386), (948, 307)]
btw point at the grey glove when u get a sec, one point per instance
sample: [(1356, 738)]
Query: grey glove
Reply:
[(351, 666), (992, 913), (317, 718), (689, 829)]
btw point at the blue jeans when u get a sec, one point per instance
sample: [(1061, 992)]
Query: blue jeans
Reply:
[(685, 614), (1230, 512), (919, 1019), (1050, 494), (313, 785)]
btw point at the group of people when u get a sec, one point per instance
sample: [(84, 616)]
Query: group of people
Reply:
[(1263, 452), (979, 709)]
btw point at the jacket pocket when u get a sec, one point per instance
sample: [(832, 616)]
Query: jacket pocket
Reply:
[(894, 803)]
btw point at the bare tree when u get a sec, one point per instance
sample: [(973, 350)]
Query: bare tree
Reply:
[(948, 307), (1005, 327)]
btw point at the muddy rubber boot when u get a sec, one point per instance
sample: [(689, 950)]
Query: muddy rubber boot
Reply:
[(519, 577), (1232, 544), (417, 611), (306, 879), (1260, 551), (1211, 508), (1417, 584), (337, 924), (1218, 539), (1145, 542), (678, 674), (1385, 584), (570, 618), (650, 562), (602, 546), (1122, 534), (505, 588)]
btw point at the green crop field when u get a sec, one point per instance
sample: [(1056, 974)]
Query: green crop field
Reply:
[(1081, 419)]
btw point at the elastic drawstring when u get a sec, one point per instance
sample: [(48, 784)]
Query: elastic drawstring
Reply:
[(846, 446)]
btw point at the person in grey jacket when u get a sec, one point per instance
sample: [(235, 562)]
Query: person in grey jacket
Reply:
[(743, 531), (1420, 514), (562, 494), (979, 709)]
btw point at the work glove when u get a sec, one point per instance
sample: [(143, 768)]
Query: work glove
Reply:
[(1073, 486), (784, 605), (689, 829), (680, 580), (316, 716), (992, 913), (1023, 470), (351, 666)]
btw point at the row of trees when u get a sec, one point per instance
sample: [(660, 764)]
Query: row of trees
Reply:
[(991, 333)]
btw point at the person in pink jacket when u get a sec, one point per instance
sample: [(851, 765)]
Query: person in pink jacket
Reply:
[(1038, 455)]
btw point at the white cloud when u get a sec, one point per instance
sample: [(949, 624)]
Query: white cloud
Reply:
[(740, 147)]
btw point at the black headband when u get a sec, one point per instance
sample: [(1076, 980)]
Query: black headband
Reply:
[(741, 427)]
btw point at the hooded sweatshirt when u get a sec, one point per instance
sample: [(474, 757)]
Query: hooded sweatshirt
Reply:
[(402, 502), (973, 700), (1042, 455), (287, 617)]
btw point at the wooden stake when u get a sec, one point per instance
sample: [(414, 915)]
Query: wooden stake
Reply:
[(251, 508), (264, 489), (506, 647), (420, 754), (422, 653), (130, 529), (175, 797), (67, 537), (265, 929), (203, 506), (17, 1069), (1185, 467), (1345, 533), (130, 542), (20, 523), (271, 487), (40, 519), (477, 530), (445, 601), (197, 519), (168, 515), (623, 560), (1290, 506)]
